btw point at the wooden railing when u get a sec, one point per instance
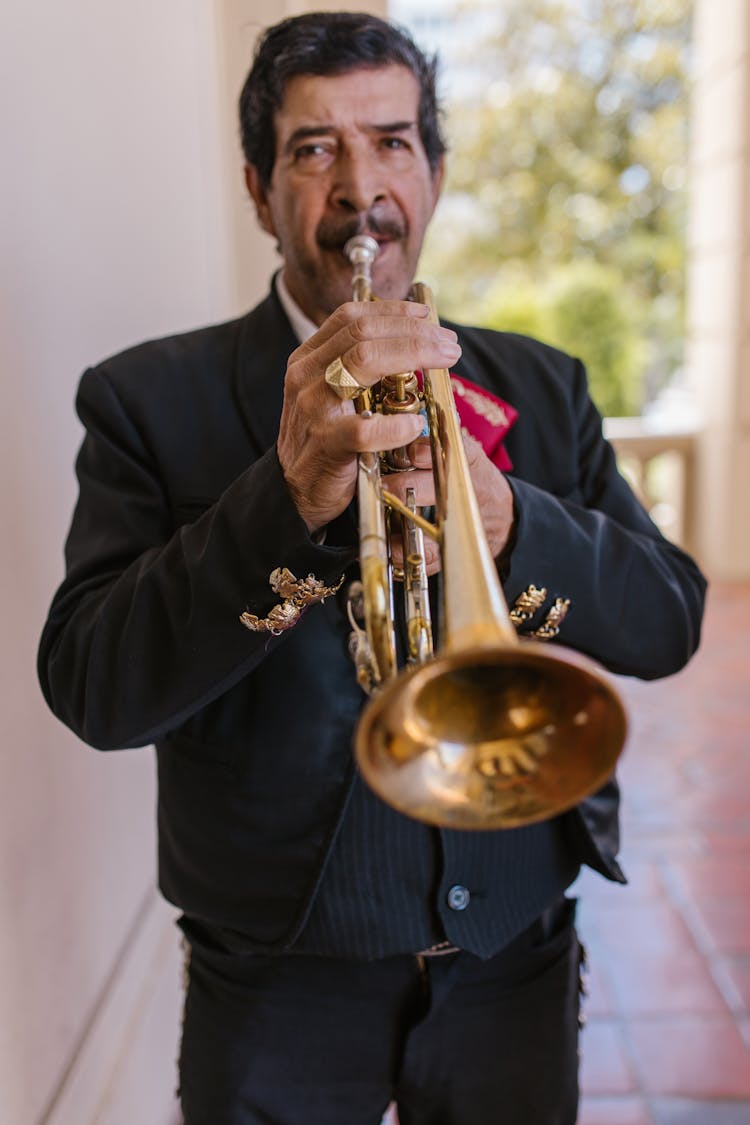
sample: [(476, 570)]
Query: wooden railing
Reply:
[(658, 460)]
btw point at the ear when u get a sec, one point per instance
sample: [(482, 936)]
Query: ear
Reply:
[(259, 194)]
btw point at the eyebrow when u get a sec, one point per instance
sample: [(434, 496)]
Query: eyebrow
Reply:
[(306, 131)]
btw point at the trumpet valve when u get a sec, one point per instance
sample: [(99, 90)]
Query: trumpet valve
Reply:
[(399, 394)]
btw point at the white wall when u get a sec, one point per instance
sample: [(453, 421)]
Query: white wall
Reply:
[(122, 216), (719, 282), (112, 228)]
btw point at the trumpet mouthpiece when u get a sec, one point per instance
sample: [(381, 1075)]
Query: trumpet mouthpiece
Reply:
[(361, 249)]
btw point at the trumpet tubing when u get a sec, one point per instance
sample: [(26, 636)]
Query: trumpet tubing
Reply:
[(493, 731)]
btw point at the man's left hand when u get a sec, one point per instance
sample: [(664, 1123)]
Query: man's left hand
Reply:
[(493, 493)]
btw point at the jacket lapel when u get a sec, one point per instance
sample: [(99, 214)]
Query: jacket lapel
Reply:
[(265, 344)]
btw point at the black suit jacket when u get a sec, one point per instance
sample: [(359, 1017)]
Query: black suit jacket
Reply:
[(183, 513)]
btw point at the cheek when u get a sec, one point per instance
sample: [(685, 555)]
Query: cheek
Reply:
[(295, 217)]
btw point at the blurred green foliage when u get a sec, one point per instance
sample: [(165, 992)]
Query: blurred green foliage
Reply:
[(564, 209)]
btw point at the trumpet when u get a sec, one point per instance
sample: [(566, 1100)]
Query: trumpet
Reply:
[(492, 731)]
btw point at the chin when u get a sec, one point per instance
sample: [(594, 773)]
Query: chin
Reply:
[(326, 292)]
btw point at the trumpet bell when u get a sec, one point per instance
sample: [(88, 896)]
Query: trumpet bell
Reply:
[(492, 738)]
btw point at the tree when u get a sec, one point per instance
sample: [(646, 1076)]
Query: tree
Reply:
[(564, 209)]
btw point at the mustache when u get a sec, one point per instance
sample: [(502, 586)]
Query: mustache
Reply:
[(333, 234)]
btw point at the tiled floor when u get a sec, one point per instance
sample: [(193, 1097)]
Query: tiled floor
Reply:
[(667, 1040)]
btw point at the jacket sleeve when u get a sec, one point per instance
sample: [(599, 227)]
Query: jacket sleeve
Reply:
[(145, 629), (636, 599)]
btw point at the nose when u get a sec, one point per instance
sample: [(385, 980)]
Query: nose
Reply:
[(359, 182)]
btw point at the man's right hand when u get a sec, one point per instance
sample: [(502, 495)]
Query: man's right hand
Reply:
[(320, 435)]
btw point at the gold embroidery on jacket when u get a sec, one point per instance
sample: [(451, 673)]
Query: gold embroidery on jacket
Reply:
[(529, 602), (550, 627), (297, 595)]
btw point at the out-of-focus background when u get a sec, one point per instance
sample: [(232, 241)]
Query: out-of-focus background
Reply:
[(599, 198)]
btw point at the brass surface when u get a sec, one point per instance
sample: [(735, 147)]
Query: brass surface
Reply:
[(491, 738), (493, 732)]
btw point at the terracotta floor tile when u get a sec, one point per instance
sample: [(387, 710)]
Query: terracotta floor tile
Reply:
[(654, 928), (680, 1111), (605, 1064), (727, 764), (614, 1111), (711, 878), (656, 778), (733, 977), (644, 880), (673, 983), (725, 924), (727, 841), (718, 807), (700, 1057), (658, 843)]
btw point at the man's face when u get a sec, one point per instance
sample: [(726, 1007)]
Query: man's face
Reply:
[(349, 160)]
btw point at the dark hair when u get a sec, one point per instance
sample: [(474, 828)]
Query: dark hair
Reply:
[(329, 43)]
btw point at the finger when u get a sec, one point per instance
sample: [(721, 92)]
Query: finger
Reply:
[(352, 311), (422, 481), (349, 434), (370, 361), (375, 346), (420, 453)]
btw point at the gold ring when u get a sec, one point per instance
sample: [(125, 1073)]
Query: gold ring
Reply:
[(341, 380)]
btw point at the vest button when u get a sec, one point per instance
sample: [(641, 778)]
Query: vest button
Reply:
[(459, 897)]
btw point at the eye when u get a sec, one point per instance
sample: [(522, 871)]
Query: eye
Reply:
[(394, 143), (311, 152), (310, 149)]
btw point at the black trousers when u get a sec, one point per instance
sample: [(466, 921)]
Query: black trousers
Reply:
[(454, 1040)]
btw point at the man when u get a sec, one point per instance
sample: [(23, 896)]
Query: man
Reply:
[(342, 955)]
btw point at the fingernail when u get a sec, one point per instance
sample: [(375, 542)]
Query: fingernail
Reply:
[(450, 350)]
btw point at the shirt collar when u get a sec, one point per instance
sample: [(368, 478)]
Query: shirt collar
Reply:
[(302, 326)]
